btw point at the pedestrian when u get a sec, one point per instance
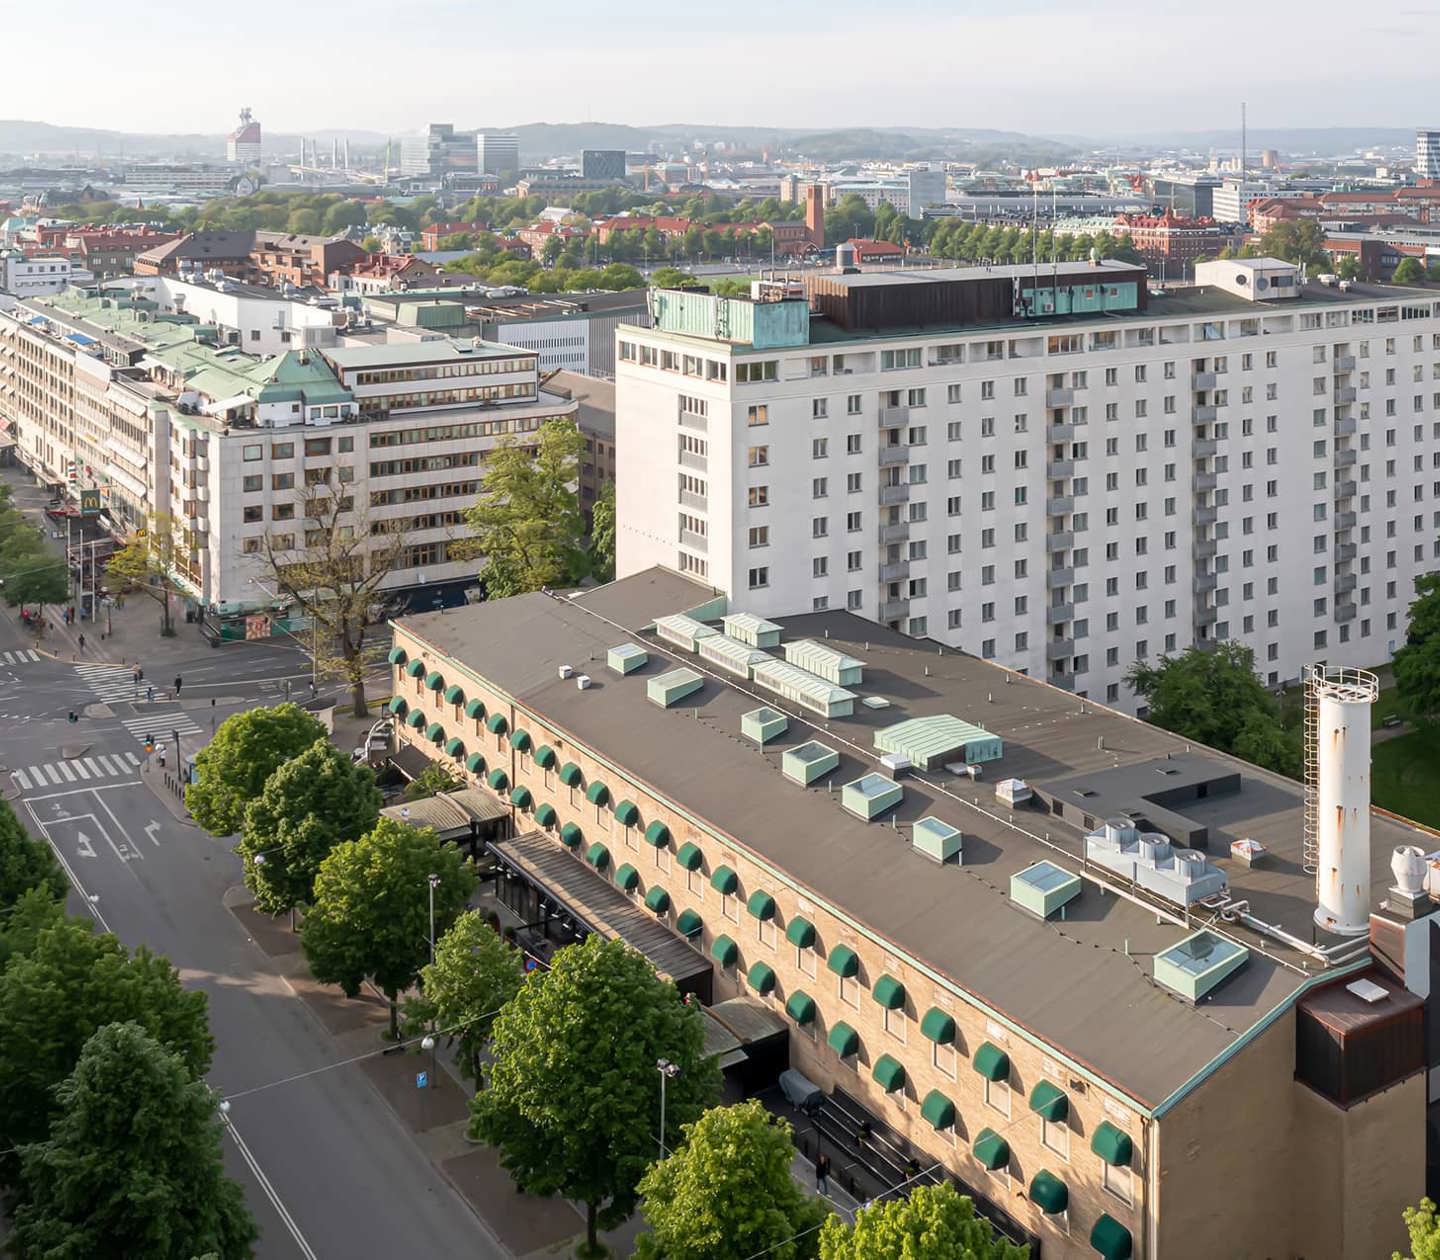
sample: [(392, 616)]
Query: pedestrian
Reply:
[(822, 1174), (178, 681), (82, 642), (161, 752), (149, 695)]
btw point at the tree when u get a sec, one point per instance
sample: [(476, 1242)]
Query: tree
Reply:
[(434, 778), (727, 1193), (1214, 695), (25, 862), (602, 534), (671, 278), (929, 1221), (574, 1096), (1348, 268), (145, 564), (22, 923), (232, 769), (370, 915), (475, 973), (52, 999), (308, 805), (527, 521), (343, 215), (1416, 666), (1423, 1225), (336, 578), (132, 1165), (1409, 271), (29, 573)]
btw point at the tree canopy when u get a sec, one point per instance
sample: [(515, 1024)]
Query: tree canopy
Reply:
[(145, 563), (25, 862), (231, 770), (1409, 271), (369, 918), (131, 1166), (727, 1194), (602, 534), (307, 806), (29, 571), (574, 1095), (1213, 695), (1416, 666), (929, 1221), (1423, 1225)]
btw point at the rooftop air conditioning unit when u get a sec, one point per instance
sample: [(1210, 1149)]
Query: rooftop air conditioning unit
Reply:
[(566, 671), (582, 681)]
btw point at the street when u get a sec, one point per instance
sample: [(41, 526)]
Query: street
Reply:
[(327, 1168)]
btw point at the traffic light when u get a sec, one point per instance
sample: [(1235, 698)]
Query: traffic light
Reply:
[(73, 717)]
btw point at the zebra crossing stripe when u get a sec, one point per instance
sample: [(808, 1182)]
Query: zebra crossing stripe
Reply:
[(54, 775), (21, 778), (78, 766), (65, 771)]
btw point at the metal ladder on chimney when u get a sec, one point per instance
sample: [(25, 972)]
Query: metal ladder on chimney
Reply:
[(1312, 774)]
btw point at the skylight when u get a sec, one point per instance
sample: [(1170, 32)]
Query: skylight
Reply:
[(1195, 966)]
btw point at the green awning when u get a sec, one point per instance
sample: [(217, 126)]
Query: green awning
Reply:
[(545, 756), (435, 733), (520, 740), (397, 656), (597, 793), (844, 962), (843, 1039), (570, 834), (889, 992), (991, 1149), (498, 779), (689, 923), (416, 719), (570, 774), (800, 932), (761, 905), (938, 1027), (496, 724), (627, 813), (761, 978), (1049, 1101), (1048, 1192), (598, 856), (520, 797), (657, 900), (690, 856), (435, 680), (1112, 1145), (658, 834), (475, 709), (454, 746), (454, 694), (801, 1007), (415, 669), (398, 706), (938, 1110), (724, 951), (627, 877), (545, 815), (1111, 1239), (475, 763), (992, 1062), (725, 881), (888, 1073)]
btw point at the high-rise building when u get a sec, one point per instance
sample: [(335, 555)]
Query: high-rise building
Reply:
[(602, 164), (243, 144), (497, 153), (926, 187), (1427, 153), (440, 151), (1046, 467)]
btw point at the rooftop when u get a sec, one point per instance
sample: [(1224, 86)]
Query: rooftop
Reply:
[(435, 350), (1083, 983)]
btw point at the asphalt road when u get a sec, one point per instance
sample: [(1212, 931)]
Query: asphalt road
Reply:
[(327, 1169)]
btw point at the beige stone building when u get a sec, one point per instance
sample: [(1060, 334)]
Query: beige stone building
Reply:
[(915, 861)]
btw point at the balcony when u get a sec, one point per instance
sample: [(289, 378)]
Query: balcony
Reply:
[(891, 416), (1345, 552), (1058, 468), (895, 454), (1059, 397), (696, 542), (1203, 381), (895, 571), (1344, 363), (1344, 583), (1345, 489), (894, 609), (1204, 514), (1346, 458), (1056, 578), (1059, 649), (1204, 548), (892, 495), (1059, 505), (1060, 540), (1059, 614), (1344, 394), (1202, 481), (897, 533), (1203, 582), (1066, 682), (1203, 448), (689, 459), (1344, 427), (688, 498), (1059, 432), (689, 420), (1344, 613), (1204, 616), (1203, 415), (1344, 520)]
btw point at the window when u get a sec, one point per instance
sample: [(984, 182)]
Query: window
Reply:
[(852, 444), (1116, 1179), (1055, 1136), (819, 408), (891, 360), (997, 1095), (758, 456), (819, 448), (752, 373), (760, 535), (759, 496), (759, 577), (757, 415)]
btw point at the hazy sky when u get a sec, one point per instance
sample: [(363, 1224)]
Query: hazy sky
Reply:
[(1041, 66)]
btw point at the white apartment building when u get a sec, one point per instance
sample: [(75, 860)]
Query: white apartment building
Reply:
[(1427, 153), (43, 273), (1251, 459)]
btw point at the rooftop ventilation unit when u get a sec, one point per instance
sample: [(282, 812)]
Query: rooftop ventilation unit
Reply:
[(583, 682), (1153, 863), (871, 796), (566, 671), (808, 762), (731, 655), (670, 688), (825, 662), (683, 631), (895, 764), (1044, 888), (937, 840), (626, 658), (749, 628), (804, 688), (762, 725), (1013, 792), (935, 741), (1193, 967)]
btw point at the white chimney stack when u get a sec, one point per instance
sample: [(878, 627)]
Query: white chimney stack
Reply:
[(1342, 700)]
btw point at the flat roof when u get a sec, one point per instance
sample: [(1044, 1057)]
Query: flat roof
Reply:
[(435, 350), (1080, 984)]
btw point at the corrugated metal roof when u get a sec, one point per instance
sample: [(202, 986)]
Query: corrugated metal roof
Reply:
[(682, 630), (800, 684), (925, 738), (827, 662), (731, 654)]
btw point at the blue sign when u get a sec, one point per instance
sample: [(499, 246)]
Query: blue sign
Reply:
[(422, 1080)]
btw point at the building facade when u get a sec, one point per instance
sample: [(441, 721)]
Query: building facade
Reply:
[(603, 164), (1427, 154), (243, 145), (1065, 495), (31, 275), (497, 152)]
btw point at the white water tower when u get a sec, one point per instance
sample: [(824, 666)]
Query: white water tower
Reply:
[(1338, 794)]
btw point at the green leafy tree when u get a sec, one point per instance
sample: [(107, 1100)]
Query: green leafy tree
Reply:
[(475, 973), (232, 769), (22, 923), (671, 278), (1423, 1225), (53, 997), (370, 915), (1409, 271), (527, 522), (132, 1164), (343, 215), (1416, 666), (309, 805), (1213, 695), (727, 1193), (25, 862), (29, 573), (929, 1221), (1301, 241), (574, 1096), (434, 778), (146, 563), (602, 533)]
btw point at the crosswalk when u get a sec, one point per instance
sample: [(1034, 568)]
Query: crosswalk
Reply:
[(20, 656), (110, 682), (76, 770), (161, 726)]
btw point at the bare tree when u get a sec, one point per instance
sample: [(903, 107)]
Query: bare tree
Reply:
[(336, 578)]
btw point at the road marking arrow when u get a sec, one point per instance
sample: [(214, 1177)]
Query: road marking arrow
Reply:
[(83, 845), (150, 829)]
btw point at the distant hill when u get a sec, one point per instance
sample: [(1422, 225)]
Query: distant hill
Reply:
[(1298, 141)]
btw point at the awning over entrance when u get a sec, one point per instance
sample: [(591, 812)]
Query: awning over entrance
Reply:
[(453, 815), (595, 902)]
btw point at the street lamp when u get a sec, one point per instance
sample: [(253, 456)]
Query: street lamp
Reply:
[(668, 1071), (433, 880), (427, 1042)]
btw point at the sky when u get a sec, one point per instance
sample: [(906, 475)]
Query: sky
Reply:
[(1038, 66)]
